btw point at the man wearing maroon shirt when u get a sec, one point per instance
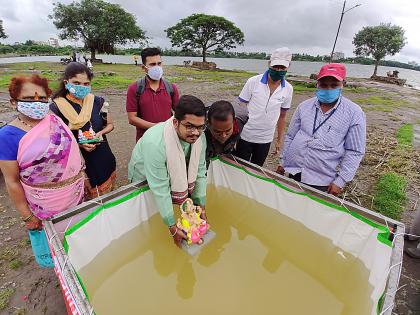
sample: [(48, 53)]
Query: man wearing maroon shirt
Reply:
[(152, 99)]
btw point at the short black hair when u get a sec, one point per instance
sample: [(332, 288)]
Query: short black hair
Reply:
[(149, 52), (220, 111), (189, 105)]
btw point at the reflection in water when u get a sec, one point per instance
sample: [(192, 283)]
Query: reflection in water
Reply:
[(260, 262)]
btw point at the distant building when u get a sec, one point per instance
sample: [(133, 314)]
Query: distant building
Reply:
[(40, 42), (53, 42), (338, 55)]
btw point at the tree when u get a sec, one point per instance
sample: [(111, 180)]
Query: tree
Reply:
[(379, 41), (205, 32), (2, 33), (100, 25)]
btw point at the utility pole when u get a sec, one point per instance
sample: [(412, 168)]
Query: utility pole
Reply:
[(339, 25)]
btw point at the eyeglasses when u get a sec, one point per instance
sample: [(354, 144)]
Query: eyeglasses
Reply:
[(190, 128)]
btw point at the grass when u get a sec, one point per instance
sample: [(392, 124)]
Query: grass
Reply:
[(380, 103), (5, 295), (405, 135), (9, 253), (15, 264), (300, 87), (118, 76), (360, 89), (390, 198), (20, 311)]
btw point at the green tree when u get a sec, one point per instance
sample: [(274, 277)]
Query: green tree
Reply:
[(2, 33), (205, 32), (100, 25), (379, 41)]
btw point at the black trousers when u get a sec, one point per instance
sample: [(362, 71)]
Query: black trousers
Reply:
[(253, 152), (298, 177)]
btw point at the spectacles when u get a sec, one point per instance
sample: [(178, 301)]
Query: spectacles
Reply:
[(190, 128)]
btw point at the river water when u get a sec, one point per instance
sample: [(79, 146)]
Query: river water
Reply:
[(255, 65)]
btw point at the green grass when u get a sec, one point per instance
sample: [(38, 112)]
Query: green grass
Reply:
[(5, 295), (114, 82), (118, 76), (360, 89), (301, 87), (380, 103), (390, 198), (15, 264), (405, 135)]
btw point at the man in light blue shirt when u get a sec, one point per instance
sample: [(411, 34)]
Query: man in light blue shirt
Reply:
[(326, 139)]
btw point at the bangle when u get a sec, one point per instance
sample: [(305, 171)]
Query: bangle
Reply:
[(176, 231), (28, 218)]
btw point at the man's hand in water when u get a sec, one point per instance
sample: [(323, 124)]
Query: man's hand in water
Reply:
[(177, 234), (203, 213)]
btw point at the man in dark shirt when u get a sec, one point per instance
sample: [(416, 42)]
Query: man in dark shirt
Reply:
[(222, 131), (153, 103)]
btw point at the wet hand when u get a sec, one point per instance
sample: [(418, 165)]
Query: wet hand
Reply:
[(177, 234), (333, 189), (89, 147), (203, 215)]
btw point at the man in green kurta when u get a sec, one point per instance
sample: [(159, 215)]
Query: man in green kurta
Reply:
[(171, 156)]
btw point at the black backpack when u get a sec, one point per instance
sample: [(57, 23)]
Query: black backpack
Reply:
[(141, 84)]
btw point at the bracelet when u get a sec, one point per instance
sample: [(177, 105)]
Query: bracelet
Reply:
[(28, 218), (176, 231)]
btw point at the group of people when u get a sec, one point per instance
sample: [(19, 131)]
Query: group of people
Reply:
[(76, 56), (178, 136), (48, 168)]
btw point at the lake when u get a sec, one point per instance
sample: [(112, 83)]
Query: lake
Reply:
[(255, 65)]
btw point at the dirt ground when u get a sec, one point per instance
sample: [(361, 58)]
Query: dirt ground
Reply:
[(31, 290)]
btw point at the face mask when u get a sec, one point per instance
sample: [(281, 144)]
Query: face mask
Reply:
[(35, 110), (276, 75), (78, 91), (328, 96), (155, 73)]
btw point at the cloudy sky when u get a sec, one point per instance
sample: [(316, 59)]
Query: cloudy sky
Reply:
[(305, 26)]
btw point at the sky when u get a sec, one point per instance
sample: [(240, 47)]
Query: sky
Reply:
[(305, 26)]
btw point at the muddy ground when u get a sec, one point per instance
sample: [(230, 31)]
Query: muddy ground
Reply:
[(27, 289)]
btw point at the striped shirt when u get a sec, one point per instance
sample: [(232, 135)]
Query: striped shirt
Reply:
[(325, 147)]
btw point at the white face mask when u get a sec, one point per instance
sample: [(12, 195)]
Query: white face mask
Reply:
[(155, 73), (35, 110)]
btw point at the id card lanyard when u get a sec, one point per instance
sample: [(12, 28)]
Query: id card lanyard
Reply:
[(314, 128)]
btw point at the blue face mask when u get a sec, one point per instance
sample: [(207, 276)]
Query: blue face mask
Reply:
[(328, 96), (78, 91)]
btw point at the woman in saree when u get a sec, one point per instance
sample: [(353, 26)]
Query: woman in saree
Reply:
[(39, 158), (87, 117)]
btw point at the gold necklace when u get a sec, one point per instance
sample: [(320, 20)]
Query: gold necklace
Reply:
[(25, 123)]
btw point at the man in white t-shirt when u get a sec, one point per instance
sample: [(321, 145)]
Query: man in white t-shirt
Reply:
[(267, 96)]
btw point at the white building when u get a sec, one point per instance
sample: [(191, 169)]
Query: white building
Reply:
[(338, 55), (53, 42)]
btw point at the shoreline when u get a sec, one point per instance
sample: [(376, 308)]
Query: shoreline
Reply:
[(6, 56)]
